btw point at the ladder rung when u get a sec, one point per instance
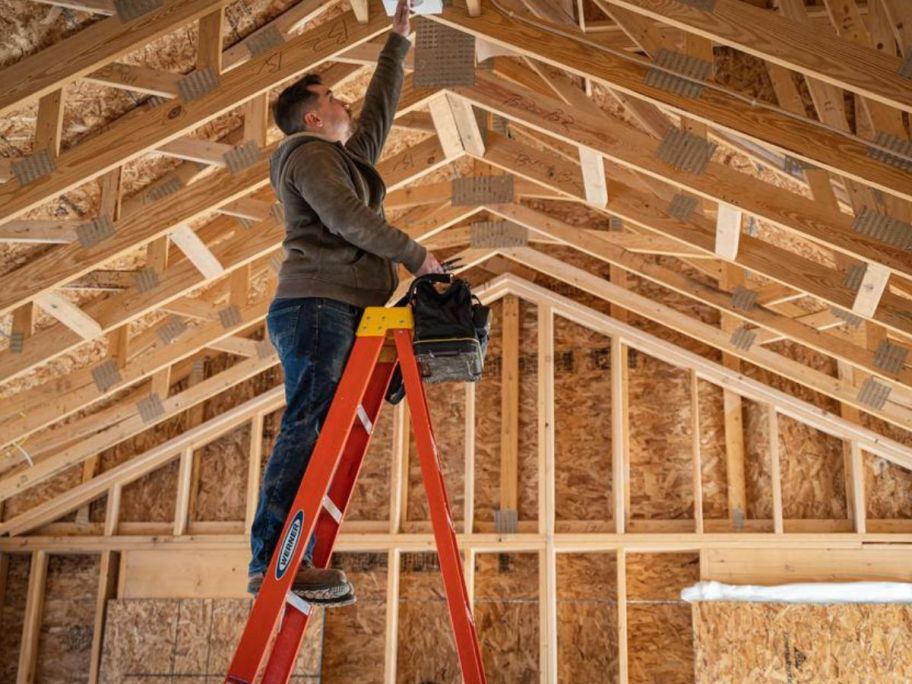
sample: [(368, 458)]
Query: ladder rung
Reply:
[(297, 603), (332, 509), (365, 419)]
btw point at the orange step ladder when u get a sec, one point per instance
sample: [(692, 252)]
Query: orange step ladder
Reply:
[(275, 628)]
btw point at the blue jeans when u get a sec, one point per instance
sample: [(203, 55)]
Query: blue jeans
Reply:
[(313, 338)]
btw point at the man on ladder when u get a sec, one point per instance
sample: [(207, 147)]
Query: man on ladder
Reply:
[(340, 258)]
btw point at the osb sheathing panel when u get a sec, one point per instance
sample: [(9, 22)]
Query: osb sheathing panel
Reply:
[(888, 488), (712, 450), (758, 482), (146, 640), (446, 403), (426, 650), (763, 642), (660, 636), (12, 614), (587, 618), (363, 624), (660, 440), (507, 615), (371, 498), (67, 622), (813, 472), (42, 492), (488, 421), (808, 357), (582, 422), (222, 486), (152, 497)]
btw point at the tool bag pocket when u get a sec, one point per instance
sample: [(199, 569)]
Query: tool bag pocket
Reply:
[(451, 330)]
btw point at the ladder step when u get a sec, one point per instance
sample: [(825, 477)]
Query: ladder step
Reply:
[(297, 603), (332, 509), (365, 420)]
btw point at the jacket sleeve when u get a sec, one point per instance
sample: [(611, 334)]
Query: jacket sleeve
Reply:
[(380, 100), (318, 172)]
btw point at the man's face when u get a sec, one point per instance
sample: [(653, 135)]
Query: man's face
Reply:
[(331, 117)]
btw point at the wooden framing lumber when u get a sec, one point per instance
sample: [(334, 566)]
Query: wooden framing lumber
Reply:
[(31, 623), (509, 406), (873, 285), (800, 138), (92, 47), (107, 589), (728, 232), (69, 314), (782, 41), (138, 79), (144, 130), (196, 251)]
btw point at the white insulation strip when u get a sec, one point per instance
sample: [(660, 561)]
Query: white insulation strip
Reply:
[(812, 592)]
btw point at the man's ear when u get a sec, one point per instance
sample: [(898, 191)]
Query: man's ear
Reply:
[(313, 121)]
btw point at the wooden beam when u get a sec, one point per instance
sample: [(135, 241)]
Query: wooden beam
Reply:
[(36, 231), (209, 42), (696, 446), (873, 285), (182, 503), (254, 468), (69, 314), (50, 122), (621, 581), (470, 134), (138, 79), (509, 406), (474, 7), (118, 143), (31, 622), (107, 590), (87, 50), (593, 168), (775, 469), (198, 150), (391, 644), (620, 463), (782, 41), (197, 252), (715, 107), (728, 232), (445, 124), (361, 8)]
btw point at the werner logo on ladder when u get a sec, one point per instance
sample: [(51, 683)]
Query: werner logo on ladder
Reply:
[(444, 340)]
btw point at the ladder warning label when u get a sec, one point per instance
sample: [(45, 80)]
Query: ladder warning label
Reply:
[(289, 544)]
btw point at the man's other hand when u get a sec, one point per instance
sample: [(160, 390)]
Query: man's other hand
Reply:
[(430, 265), (401, 18)]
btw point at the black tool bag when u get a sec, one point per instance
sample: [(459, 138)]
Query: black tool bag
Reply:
[(451, 332)]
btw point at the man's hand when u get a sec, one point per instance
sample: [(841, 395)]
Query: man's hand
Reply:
[(401, 18), (430, 265)]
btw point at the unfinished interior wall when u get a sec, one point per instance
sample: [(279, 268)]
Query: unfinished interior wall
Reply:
[(752, 642), (660, 425), (813, 472), (660, 635), (714, 481), (587, 624), (12, 611), (582, 423), (149, 639)]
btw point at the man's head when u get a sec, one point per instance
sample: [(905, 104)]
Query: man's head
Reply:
[(310, 106)]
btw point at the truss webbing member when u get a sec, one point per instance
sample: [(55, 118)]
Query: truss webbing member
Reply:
[(340, 256)]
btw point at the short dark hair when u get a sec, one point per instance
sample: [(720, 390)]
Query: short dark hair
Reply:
[(294, 102)]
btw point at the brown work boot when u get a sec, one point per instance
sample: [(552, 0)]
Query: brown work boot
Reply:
[(322, 586)]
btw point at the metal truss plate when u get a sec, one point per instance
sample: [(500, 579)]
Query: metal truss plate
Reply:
[(682, 206), (264, 349), (890, 357), (847, 316), (172, 329), (33, 168), (90, 234), (615, 223), (506, 521), (794, 166), (165, 188), (685, 151), (498, 234), (145, 279), (443, 56), (679, 73), (128, 10), (743, 338), (230, 316), (265, 40), (884, 228), (197, 83), (150, 408), (106, 375), (17, 342), (474, 190), (874, 393), (243, 156), (744, 298), (899, 154), (853, 277)]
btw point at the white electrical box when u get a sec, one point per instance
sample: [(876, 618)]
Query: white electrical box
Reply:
[(418, 6)]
